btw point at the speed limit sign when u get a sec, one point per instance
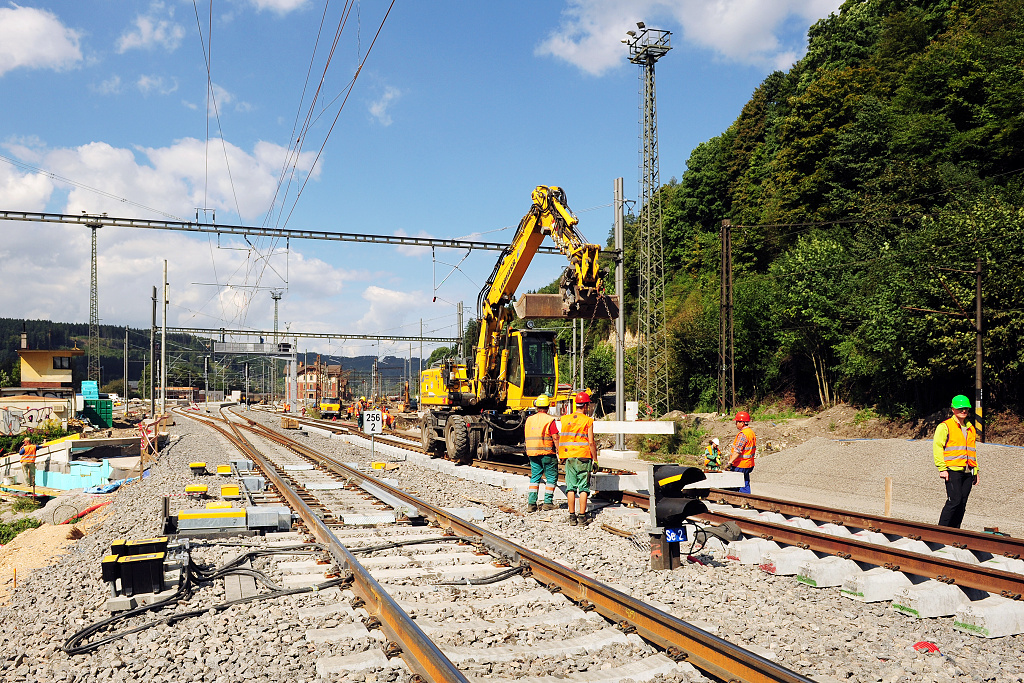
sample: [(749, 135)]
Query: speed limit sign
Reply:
[(373, 422)]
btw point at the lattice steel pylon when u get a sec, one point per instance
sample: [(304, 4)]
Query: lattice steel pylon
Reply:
[(645, 49), (93, 372)]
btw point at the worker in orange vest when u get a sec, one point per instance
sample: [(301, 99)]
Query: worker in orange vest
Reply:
[(955, 454), (541, 449), (577, 447), (744, 448), (28, 463)]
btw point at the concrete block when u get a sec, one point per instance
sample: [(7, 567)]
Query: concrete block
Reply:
[(361, 661), (120, 604), (773, 517), (873, 537), (959, 554), (835, 530), (750, 550), (929, 599), (786, 561), (875, 585), (637, 427), (720, 480), (297, 467), (470, 514), (354, 631), (827, 571), (1005, 564), (993, 617), (912, 546), (618, 482), (325, 485), (801, 523)]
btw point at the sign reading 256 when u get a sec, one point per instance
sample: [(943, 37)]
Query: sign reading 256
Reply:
[(373, 422)]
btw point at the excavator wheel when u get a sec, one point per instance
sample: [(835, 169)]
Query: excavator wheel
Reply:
[(427, 437), (456, 439)]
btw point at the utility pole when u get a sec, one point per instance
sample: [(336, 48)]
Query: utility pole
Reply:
[(645, 49), (163, 350), (726, 346), (125, 397), (152, 361), (93, 373), (620, 322), (419, 376), (462, 358), (206, 382), (276, 296)]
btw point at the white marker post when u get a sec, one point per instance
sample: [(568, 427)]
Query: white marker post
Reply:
[(373, 423)]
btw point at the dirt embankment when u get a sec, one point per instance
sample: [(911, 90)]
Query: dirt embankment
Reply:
[(846, 422)]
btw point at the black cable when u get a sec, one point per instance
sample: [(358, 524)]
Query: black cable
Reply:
[(396, 544), (493, 578)]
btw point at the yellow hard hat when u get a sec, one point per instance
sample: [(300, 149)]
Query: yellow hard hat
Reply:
[(362, 398), (542, 401)]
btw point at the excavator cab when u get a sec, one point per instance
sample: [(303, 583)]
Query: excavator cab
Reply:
[(532, 367)]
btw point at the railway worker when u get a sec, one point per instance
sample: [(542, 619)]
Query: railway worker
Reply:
[(28, 462), (577, 447), (713, 456), (360, 407), (744, 448), (953, 449), (542, 450)]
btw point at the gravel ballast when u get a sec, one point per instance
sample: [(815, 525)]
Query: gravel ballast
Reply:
[(813, 631)]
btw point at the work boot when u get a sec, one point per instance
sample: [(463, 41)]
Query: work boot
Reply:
[(572, 519), (548, 506), (531, 507)]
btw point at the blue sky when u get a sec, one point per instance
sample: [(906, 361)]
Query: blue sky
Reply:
[(460, 110)]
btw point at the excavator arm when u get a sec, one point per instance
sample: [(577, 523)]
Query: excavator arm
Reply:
[(580, 286)]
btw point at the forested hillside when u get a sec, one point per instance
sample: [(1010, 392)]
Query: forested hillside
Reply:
[(893, 150)]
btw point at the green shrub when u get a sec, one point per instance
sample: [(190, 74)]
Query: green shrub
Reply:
[(863, 416), (9, 531)]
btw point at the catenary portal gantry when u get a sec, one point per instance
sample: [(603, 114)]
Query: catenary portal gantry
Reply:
[(265, 334), (263, 231)]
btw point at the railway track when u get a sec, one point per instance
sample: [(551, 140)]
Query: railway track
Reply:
[(862, 554), (536, 596)]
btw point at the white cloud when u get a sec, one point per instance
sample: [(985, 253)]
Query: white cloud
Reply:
[(742, 31), (410, 250), (389, 307), (152, 30), (157, 84), (279, 6), (23, 190), (111, 86), (379, 107), (35, 39)]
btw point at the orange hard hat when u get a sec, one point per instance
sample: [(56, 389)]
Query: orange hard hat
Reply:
[(743, 416), (582, 397)]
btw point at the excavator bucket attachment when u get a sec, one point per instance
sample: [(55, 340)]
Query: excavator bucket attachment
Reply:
[(554, 306)]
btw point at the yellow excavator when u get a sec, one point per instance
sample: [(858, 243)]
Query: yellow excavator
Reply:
[(478, 410)]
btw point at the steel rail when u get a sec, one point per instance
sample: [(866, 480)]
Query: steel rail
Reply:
[(264, 231), (930, 533), (962, 574), (419, 652), (685, 642)]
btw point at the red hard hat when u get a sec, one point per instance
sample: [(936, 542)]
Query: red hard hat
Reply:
[(743, 416), (583, 397)]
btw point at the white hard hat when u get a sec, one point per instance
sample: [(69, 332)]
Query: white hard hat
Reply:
[(715, 440)]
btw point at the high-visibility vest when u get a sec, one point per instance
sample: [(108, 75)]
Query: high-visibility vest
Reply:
[(29, 456), (712, 456), (960, 452), (538, 435), (573, 441), (749, 449)]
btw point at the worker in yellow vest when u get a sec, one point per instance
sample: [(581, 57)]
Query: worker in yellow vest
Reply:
[(542, 450), (744, 448), (577, 447), (955, 454)]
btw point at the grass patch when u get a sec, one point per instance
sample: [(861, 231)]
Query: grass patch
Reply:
[(863, 416), (773, 413), (9, 531), (25, 504), (313, 412)]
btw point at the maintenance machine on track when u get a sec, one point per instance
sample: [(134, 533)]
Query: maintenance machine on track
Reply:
[(476, 410)]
